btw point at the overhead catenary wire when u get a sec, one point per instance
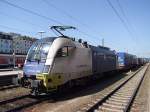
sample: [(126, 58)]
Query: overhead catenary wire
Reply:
[(121, 19), (11, 28), (65, 13), (39, 26), (30, 11), (123, 13), (84, 33), (21, 20), (72, 18), (125, 16)]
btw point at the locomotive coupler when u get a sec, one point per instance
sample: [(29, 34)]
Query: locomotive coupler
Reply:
[(36, 86)]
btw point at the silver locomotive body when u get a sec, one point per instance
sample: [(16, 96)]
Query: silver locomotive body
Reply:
[(53, 62)]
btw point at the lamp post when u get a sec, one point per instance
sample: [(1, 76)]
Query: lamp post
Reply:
[(103, 42), (41, 33), (14, 58), (14, 53)]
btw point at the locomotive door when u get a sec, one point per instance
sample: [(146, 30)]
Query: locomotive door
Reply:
[(95, 62)]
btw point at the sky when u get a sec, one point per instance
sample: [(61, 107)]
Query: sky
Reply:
[(123, 24)]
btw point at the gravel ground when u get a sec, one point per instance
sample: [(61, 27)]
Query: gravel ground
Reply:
[(142, 99), (12, 93), (78, 99)]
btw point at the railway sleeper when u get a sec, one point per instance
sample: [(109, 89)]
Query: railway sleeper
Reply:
[(122, 98), (122, 95), (127, 91), (113, 106), (117, 100), (84, 109), (116, 103), (105, 109)]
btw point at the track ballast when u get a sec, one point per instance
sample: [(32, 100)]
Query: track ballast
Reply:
[(119, 99)]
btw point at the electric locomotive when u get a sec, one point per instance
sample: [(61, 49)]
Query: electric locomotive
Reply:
[(56, 61)]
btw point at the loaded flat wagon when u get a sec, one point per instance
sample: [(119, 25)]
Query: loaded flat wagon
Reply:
[(125, 60)]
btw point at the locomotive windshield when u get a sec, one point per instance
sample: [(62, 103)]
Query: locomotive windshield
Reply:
[(39, 51)]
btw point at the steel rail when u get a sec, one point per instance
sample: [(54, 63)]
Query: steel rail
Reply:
[(8, 87), (135, 92), (99, 103)]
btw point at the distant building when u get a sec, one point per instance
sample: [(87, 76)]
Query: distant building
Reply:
[(6, 43), (12, 43), (22, 44)]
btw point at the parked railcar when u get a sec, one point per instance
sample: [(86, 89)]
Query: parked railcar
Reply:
[(125, 60), (103, 60), (19, 60), (7, 60), (140, 61), (146, 60), (54, 62), (134, 60)]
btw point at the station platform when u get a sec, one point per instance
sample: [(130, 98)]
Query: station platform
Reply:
[(5, 73), (7, 69)]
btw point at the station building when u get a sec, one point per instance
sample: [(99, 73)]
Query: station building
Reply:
[(12, 46), (22, 44), (6, 44)]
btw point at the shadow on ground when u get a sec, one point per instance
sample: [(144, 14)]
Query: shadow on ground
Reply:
[(91, 87)]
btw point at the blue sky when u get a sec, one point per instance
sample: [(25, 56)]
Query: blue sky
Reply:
[(94, 19)]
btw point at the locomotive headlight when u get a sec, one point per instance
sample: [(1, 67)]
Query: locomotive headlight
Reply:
[(46, 68)]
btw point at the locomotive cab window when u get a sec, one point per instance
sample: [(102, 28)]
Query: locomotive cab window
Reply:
[(65, 51)]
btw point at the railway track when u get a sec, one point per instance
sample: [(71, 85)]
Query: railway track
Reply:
[(2, 88), (6, 79), (120, 98), (21, 102), (25, 101)]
